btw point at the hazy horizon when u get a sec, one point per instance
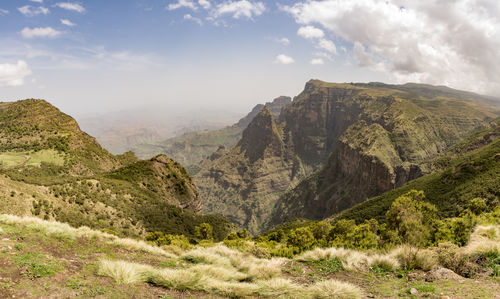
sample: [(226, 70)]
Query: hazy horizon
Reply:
[(94, 56)]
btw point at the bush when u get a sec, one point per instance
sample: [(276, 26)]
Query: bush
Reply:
[(449, 257), (320, 229), (412, 258), (362, 237), (462, 228), (301, 238), (412, 218), (204, 231), (277, 236), (477, 206)]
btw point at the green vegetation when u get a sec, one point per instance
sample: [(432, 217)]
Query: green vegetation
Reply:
[(51, 169), (36, 265), (81, 261), (468, 181)]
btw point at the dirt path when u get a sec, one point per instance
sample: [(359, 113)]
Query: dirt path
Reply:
[(26, 159)]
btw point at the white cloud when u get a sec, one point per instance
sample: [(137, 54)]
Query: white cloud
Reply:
[(37, 1), (317, 61), (48, 32), (310, 32), (242, 8), (182, 3), (327, 45), (14, 74), (71, 6), (67, 22), (456, 43), (31, 11), (284, 59), (194, 19), (284, 41), (3, 12), (205, 4)]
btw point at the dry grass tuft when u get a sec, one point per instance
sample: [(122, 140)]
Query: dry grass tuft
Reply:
[(280, 288), (415, 258), (220, 273), (385, 262), (334, 289), (139, 245), (483, 239), (351, 259), (124, 272), (65, 231)]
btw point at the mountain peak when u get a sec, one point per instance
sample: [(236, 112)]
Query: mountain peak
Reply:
[(260, 135)]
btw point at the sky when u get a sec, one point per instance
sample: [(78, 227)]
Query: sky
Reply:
[(98, 56)]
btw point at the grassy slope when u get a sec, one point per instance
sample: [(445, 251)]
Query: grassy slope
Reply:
[(470, 169), (39, 259), (53, 170)]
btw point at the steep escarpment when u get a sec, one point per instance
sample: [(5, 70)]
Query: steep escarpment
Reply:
[(243, 183), (190, 148), (355, 141), (468, 170), (384, 146)]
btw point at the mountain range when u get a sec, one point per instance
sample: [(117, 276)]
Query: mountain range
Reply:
[(334, 146)]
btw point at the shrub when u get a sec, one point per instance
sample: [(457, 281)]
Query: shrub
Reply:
[(412, 258), (204, 231), (449, 257), (362, 237), (277, 236), (320, 229), (340, 229), (301, 238), (477, 206), (462, 228), (412, 218)]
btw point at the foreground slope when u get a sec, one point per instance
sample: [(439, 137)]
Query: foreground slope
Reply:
[(41, 259), (52, 169), (356, 141)]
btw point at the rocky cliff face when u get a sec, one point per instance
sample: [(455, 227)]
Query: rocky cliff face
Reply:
[(190, 148), (383, 140), (244, 183), (355, 141)]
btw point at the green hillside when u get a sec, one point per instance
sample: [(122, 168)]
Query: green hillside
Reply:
[(470, 169), (53, 170)]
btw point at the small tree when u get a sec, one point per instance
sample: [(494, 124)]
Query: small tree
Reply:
[(340, 230), (204, 231), (362, 237), (412, 218), (477, 206), (320, 229), (301, 237)]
